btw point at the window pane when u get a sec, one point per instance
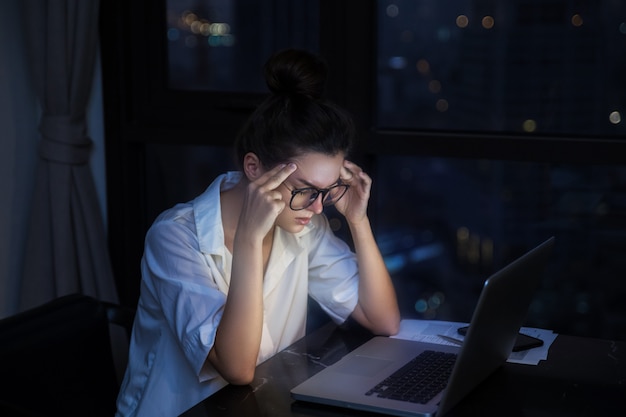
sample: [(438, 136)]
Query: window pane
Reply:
[(179, 173), (445, 224), (221, 45), (548, 67)]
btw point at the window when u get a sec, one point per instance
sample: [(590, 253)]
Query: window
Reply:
[(490, 122), (221, 45), (528, 67), (445, 224)]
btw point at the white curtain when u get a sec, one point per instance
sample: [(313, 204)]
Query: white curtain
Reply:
[(66, 248)]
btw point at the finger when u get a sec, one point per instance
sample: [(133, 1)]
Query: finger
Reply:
[(366, 178), (274, 177), (277, 202), (349, 170), (345, 174), (274, 196), (271, 172)]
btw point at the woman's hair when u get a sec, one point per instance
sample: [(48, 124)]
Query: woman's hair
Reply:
[(295, 118)]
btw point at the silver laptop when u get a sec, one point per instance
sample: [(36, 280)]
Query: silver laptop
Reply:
[(360, 380)]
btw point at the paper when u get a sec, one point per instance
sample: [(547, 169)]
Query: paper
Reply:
[(429, 330)]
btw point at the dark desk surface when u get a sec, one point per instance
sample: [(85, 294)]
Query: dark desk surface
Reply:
[(582, 377)]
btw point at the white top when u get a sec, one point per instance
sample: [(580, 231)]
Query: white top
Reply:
[(185, 278)]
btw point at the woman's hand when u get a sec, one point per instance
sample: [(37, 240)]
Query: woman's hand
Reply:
[(263, 202), (353, 205)]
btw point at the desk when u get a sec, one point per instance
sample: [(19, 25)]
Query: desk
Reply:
[(582, 377)]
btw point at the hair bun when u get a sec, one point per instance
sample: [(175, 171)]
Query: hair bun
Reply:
[(295, 71)]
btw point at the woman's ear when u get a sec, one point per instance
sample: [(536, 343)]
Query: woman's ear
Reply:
[(252, 167)]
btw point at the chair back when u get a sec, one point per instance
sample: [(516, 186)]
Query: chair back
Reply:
[(56, 359)]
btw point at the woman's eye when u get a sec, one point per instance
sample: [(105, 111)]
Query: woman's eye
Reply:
[(308, 194)]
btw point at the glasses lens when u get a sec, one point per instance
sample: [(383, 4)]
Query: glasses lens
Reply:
[(334, 194), (303, 198)]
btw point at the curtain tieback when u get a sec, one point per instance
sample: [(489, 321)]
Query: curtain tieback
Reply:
[(64, 140)]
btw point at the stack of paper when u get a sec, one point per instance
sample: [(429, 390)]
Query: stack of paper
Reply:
[(445, 333)]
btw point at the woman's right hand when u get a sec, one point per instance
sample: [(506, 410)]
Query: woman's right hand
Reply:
[(263, 202)]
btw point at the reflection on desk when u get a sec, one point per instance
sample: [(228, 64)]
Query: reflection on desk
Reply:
[(582, 377)]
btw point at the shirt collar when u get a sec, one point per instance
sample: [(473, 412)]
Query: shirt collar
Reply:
[(208, 214)]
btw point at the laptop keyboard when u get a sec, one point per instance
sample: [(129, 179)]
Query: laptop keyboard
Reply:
[(419, 380)]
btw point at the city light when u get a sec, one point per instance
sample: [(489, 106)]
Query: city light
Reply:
[(189, 18), (529, 125), (442, 105), (397, 62), (488, 22), (462, 21), (615, 117), (423, 66), (434, 86), (392, 10), (173, 34), (217, 33)]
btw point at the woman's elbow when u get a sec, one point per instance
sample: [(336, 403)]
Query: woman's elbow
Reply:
[(386, 324), (389, 327), (241, 377), (238, 374), (234, 371)]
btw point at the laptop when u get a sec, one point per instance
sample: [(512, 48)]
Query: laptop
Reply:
[(360, 379)]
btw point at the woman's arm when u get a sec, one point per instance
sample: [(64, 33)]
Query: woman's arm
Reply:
[(377, 308), (238, 335), (238, 338)]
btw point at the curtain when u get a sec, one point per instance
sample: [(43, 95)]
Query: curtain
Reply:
[(66, 248)]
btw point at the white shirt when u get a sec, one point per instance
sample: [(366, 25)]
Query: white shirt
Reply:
[(185, 278)]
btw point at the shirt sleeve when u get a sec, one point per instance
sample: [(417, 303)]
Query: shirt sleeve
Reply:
[(181, 279), (333, 271)]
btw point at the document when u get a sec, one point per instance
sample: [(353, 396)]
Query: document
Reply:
[(445, 333)]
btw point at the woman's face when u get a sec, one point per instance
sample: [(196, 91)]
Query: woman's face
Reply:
[(314, 170)]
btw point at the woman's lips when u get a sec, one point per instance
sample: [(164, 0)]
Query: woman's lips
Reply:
[(303, 220)]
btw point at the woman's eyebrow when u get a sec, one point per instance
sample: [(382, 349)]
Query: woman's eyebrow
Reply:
[(309, 185)]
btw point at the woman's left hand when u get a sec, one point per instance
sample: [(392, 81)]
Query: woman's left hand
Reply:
[(353, 205)]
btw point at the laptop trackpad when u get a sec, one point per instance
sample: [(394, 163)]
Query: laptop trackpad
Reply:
[(363, 365)]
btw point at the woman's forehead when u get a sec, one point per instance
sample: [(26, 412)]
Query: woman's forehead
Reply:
[(317, 169)]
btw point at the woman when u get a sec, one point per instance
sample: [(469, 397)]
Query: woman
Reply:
[(225, 277)]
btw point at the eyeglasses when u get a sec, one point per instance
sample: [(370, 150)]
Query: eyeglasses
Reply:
[(302, 198)]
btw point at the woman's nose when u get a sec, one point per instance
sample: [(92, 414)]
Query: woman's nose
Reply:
[(318, 206)]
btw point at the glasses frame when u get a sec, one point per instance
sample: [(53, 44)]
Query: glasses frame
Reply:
[(323, 191)]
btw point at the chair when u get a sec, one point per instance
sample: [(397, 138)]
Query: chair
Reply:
[(57, 359)]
